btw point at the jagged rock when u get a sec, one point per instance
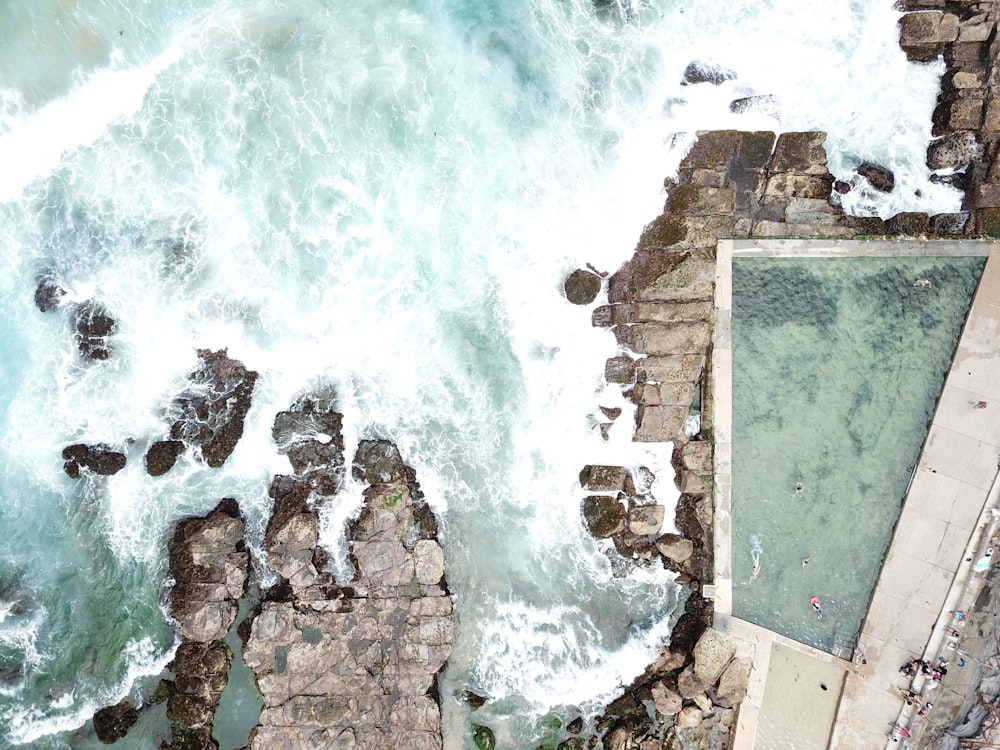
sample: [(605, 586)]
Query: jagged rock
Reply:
[(378, 462), (604, 516), (689, 684), (94, 325), (575, 726), (733, 683), (582, 287), (911, 223), (842, 187), (162, 455), (99, 459), (112, 723), (602, 478), (49, 293), (956, 150), (210, 413), (879, 177), (675, 547), (765, 104), (571, 743), (712, 655), (645, 519), (666, 700), (611, 412), (311, 435), (475, 700), (700, 71)]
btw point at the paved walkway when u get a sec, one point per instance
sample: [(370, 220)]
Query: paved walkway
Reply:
[(945, 524)]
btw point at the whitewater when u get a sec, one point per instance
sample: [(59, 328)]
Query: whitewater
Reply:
[(385, 198)]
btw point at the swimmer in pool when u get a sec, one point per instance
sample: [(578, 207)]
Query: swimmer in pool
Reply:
[(817, 607), (756, 567), (805, 561)]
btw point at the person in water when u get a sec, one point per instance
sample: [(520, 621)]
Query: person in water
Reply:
[(817, 607), (805, 561), (756, 567)]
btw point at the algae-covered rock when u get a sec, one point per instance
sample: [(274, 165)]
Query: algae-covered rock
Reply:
[(483, 737)]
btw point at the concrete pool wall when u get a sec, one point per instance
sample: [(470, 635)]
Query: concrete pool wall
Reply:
[(927, 572)]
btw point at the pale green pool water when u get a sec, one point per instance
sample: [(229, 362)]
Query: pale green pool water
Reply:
[(837, 366)]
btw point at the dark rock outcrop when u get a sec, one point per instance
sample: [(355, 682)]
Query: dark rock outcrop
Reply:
[(210, 413), (98, 459), (162, 455), (310, 435), (93, 326), (878, 177), (112, 723), (582, 287)]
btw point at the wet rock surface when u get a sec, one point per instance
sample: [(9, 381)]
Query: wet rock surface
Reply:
[(98, 459), (351, 666), (93, 326), (210, 413), (162, 455)]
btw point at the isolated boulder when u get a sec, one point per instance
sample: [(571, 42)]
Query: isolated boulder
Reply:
[(162, 455), (582, 287), (879, 177)]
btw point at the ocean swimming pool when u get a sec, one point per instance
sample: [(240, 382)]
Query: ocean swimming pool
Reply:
[(837, 366)]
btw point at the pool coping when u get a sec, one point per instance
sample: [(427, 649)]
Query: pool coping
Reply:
[(869, 698)]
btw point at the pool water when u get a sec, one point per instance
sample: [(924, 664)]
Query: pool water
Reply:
[(837, 366)]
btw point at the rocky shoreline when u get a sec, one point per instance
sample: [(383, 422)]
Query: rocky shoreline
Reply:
[(357, 665)]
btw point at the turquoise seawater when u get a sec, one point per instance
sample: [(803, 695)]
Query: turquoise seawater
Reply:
[(837, 366), (385, 197)]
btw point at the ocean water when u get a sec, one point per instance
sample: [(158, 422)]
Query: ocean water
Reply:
[(386, 198)]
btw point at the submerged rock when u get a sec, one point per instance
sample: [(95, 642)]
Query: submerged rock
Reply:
[(99, 459), (766, 104), (700, 71), (49, 293), (210, 413)]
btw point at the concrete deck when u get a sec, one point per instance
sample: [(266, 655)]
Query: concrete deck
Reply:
[(945, 524)]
